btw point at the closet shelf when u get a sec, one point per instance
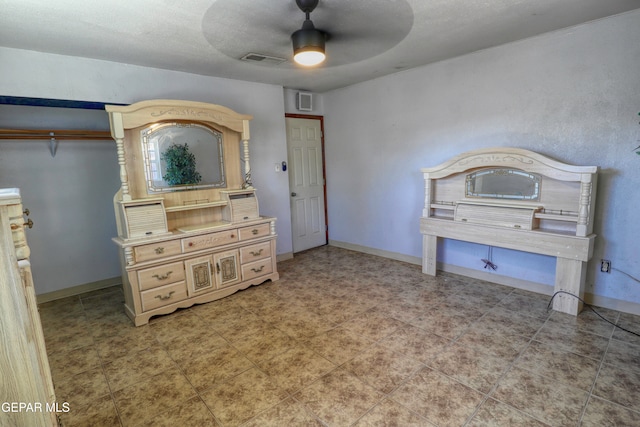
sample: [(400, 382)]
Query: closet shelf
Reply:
[(58, 134)]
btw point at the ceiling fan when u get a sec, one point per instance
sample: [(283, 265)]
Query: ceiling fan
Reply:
[(352, 30), (308, 42)]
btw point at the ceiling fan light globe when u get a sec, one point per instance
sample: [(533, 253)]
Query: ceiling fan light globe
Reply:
[(308, 45), (309, 58)]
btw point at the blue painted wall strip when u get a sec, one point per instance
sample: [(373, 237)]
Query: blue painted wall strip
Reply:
[(59, 103)]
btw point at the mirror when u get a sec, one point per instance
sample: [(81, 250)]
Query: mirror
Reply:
[(503, 183), (182, 156)]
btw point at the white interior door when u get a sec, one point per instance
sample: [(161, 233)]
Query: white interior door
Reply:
[(306, 183)]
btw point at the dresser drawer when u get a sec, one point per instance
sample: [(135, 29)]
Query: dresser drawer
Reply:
[(156, 250), (257, 268), (164, 295), (255, 252), (210, 240), (256, 231), (160, 276)]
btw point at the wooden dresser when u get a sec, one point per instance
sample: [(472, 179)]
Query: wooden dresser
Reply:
[(515, 199), (24, 367), (189, 230)]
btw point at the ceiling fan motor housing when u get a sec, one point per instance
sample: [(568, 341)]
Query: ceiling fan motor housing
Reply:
[(308, 38)]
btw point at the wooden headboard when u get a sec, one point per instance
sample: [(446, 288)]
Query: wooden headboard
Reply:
[(551, 211)]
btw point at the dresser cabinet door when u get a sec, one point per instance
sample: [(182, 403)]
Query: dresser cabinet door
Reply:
[(226, 268), (199, 275)]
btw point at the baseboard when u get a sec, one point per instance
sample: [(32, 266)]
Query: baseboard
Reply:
[(77, 290), (591, 299), (284, 257), (526, 285), (379, 252)]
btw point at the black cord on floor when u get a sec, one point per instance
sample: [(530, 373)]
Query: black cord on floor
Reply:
[(592, 309)]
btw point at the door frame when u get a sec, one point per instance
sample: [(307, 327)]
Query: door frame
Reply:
[(324, 164)]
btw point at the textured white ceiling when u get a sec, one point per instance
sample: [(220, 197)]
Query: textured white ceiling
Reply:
[(369, 38)]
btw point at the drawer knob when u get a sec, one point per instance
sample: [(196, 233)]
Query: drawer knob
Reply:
[(164, 276), (258, 253), (159, 250), (165, 297), (258, 270), (254, 231), (190, 244)]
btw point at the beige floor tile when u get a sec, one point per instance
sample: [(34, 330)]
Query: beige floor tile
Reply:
[(540, 397), (136, 367), (127, 341), (496, 342), (332, 309), (296, 368), (303, 324), (438, 398), (288, 413), (619, 384), (416, 343), (573, 340), (243, 397), (628, 328), (265, 344), (372, 325), (176, 325), (67, 337), (100, 412), (493, 413), (82, 389), (193, 344), (623, 353), (192, 413), (69, 363), (475, 369), (339, 345), (142, 402), (339, 398), (601, 413), (568, 368), (533, 305), (589, 321), (382, 368), (390, 413), (215, 367), (443, 321), (518, 322)]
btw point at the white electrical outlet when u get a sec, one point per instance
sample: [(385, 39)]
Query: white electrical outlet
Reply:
[(277, 167), (605, 266)]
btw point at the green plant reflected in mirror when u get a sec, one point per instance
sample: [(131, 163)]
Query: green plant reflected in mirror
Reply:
[(182, 156)]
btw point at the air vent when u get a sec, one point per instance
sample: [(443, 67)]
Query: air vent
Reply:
[(264, 59)]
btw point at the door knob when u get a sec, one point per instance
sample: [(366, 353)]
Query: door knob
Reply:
[(293, 194)]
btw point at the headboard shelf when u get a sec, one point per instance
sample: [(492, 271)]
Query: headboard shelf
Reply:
[(516, 199)]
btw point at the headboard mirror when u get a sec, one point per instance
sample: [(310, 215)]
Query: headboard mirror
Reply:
[(503, 183), (182, 156)]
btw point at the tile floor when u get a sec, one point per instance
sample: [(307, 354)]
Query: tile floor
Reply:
[(346, 339)]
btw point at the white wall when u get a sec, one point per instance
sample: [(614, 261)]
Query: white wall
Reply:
[(573, 95), (290, 106), (62, 260)]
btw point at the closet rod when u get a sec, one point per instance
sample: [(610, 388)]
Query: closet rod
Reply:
[(60, 134)]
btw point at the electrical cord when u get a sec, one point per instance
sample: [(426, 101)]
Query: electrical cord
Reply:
[(592, 309)]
